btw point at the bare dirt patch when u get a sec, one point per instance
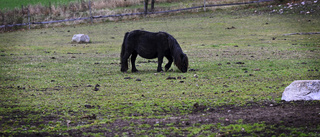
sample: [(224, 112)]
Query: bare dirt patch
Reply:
[(278, 118)]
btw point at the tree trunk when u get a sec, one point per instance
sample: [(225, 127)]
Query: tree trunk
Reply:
[(152, 5), (146, 7)]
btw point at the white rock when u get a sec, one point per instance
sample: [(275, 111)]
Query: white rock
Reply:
[(302, 90), (80, 38)]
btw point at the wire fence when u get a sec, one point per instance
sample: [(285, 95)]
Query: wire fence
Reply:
[(130, 14)]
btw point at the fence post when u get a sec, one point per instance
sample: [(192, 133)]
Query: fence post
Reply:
[(204, 5), (90, 11)]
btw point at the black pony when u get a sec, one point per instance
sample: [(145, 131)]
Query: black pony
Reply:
[(152, 45)]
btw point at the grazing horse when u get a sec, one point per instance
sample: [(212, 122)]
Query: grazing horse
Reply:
[(152, 45)]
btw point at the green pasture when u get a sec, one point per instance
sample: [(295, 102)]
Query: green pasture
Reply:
[(11, 4), (50, 85)]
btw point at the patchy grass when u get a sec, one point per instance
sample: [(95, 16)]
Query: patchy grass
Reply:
[(50, 86)]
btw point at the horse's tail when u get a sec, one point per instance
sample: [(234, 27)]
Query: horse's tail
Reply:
[(123, 45), (124, 64)]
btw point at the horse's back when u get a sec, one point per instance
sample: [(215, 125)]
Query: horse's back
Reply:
[(148, 44)]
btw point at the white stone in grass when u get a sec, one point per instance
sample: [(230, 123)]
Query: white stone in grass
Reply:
[(302, 90), (80, 38)]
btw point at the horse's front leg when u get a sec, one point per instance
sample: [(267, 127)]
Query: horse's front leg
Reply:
[(160, 60), (133, 61), (168, 65)]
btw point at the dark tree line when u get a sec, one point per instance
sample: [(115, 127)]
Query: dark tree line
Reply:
[(146, 6)]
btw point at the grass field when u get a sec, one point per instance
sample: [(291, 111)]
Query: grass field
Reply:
[(50, 86), (11, 4)]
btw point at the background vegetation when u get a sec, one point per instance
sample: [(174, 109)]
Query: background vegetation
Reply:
[(11, 4), (60, 10)]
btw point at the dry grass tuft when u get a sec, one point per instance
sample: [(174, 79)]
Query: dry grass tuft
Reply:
[(40, 12)]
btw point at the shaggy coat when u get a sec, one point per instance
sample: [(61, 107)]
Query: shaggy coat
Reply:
[(152, 45)]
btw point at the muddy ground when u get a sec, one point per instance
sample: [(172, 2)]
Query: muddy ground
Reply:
[(278, 118)]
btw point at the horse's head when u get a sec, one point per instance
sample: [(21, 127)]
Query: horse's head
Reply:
[(184, 63), (180, 59)]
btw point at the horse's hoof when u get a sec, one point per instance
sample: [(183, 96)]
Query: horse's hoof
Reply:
[(123, 70)]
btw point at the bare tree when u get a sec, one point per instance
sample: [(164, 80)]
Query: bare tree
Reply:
[(152, 5), (146, 6)]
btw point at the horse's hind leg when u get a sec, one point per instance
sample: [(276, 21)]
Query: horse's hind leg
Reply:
[(133, 61), (168, 65), (124, 62)]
